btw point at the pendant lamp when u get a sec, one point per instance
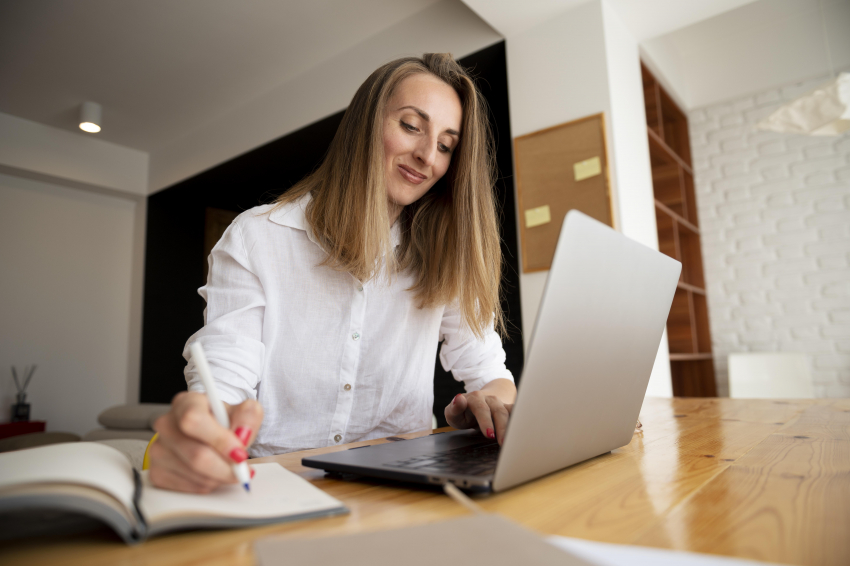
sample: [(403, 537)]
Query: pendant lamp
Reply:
[(824, 111)]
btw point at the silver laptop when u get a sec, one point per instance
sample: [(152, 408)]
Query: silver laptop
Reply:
[(597, 332)]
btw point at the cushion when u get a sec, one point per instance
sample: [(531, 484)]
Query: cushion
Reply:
[(137, 417)]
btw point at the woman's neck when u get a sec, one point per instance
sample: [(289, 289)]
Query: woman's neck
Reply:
[(394, 210)]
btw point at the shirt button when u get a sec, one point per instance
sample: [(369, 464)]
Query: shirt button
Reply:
[(337, 438), (347, 387), (360, 287), (355, 336)]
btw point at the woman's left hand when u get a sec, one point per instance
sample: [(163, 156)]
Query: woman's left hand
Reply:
[(481, 410)]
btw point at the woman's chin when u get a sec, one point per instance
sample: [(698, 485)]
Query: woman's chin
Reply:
[(403, 198)]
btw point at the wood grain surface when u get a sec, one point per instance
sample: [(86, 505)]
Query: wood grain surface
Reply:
[(760, 479)]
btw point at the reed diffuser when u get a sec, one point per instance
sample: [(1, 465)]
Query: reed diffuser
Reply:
[(21, 409)]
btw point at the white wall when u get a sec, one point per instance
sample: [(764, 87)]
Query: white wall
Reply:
[(319, 92), (631, 172), (774, 214), (583, 62), (55, 167), (66, 285)]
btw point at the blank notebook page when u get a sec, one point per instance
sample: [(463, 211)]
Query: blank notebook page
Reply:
[(275, 492)]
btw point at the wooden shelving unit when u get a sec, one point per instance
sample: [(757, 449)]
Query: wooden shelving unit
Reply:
[(688, 333)]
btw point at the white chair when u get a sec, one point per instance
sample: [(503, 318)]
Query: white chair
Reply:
[(770, 375)]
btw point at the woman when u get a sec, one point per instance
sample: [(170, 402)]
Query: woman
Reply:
[(324, 310)]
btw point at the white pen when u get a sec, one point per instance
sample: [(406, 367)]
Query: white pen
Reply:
[(243, 474)]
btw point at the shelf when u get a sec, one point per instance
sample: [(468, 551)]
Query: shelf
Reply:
[(655, 137), (688, 329), (691, 256), (651, 100), (700, 317), (680, 328), (676, 217), (667, 236), (690, 357), (693, 378), (691, 288), (690, 198), (675, 127)]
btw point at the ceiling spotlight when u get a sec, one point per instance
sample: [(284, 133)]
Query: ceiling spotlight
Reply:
[(90, 117)]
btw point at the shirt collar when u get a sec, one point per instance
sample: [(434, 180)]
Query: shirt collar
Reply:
[(294, 215)]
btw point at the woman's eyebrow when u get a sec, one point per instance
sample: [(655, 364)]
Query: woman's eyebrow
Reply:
[(424, 115)]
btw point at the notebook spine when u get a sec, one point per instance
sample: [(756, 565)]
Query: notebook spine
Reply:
[(140, 532)]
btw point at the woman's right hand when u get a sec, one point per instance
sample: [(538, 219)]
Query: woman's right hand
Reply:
[(193, 452)]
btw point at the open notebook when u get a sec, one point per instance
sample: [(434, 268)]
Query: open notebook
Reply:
[(98, 481)]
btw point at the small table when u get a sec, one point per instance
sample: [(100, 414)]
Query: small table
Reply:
[(761, 479), (20, 427)]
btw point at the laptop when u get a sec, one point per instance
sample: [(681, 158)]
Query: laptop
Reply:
[(587, 367)]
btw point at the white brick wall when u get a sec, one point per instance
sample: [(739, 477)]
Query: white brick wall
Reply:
[(774, 212)]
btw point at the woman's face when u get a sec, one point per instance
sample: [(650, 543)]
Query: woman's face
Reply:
[(421, 129)]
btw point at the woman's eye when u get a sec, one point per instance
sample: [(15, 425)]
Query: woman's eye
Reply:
[(408, 127), (444, 148)]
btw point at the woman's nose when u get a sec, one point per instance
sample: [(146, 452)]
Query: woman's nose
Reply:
[(426, 152)]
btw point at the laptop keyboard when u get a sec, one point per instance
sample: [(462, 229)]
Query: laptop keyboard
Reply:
[(474, 460)]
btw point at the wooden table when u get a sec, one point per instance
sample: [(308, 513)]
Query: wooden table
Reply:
[(760, 479)]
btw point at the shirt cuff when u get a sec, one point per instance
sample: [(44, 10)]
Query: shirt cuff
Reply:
[(227, 393)]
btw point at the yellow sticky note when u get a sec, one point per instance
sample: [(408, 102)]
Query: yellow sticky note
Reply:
[(587, 168), (537, 216)]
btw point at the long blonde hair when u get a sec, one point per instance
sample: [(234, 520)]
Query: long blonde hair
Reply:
[(449, 237)]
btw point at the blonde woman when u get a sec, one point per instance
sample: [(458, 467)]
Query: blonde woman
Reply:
[(325, 309)]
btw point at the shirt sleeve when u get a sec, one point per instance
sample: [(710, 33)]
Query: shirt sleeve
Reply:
[(232, 336), (474, 361)]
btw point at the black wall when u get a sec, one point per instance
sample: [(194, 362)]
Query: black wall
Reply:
[(174, 262)]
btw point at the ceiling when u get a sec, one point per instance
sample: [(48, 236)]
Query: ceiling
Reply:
[(765, 44), (645, 18), (161, 68)]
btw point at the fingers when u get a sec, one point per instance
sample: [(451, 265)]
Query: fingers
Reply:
[(499, 413), (457, 415), (193, 455), (245, 420), (167, 471), (194, 419), (193, 452), (478, 410)]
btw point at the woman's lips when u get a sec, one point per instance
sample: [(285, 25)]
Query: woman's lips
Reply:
[(410, 175)]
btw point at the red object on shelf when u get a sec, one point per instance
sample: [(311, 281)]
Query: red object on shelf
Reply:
[(22, 427)]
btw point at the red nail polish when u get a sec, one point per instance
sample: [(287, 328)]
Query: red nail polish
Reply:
[(243, 433), (490, 433), (238, 455), (253, 473), (454, 401)]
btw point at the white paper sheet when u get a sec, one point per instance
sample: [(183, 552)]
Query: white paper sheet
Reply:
[(275, 492)]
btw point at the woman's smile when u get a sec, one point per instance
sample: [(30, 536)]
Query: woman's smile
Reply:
[(411, 175)]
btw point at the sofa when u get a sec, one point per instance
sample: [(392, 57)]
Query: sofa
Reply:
[(127, 421)]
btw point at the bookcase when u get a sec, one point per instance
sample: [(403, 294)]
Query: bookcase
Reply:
[(688, 333)]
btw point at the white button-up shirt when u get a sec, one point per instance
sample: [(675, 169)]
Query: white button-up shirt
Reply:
[(330, 358)]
